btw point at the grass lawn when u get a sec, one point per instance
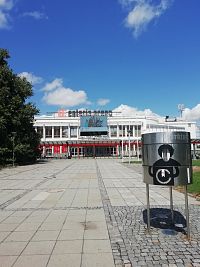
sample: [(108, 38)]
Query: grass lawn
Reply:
[(195, 187), (136, 162), (196, 162)]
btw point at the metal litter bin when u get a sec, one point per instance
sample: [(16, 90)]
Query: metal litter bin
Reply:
[(166, 158)]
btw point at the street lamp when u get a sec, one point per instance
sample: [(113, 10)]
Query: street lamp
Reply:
[(129, 146), (138, 142), (13, 148), (122, 150)]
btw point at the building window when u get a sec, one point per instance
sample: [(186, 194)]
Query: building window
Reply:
[(124, 131), (64, 131), (113, 131), (130, 129), (40, 131), (121, 130), (56, 131), (74, 151), (138, 131), (73, 131), (48, 132)]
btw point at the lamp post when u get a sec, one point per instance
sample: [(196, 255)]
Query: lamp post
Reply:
[(13, 148), (129, 146), (138, 142), (122, 150)]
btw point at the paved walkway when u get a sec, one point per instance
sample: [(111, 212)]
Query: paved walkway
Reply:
[(87, 212)]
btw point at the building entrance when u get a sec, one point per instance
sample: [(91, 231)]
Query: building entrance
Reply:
[(99, 151), (93, 149)]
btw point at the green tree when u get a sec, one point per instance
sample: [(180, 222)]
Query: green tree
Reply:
[(16, 116)]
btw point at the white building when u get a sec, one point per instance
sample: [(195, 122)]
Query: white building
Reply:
[(61, 134)]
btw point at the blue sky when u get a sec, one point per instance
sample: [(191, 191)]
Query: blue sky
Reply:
[(137, 55)]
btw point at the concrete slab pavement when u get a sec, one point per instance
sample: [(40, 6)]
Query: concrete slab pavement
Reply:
[(83, 212)]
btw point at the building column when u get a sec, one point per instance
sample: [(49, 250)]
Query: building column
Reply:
[(43, 150), (194, 151), (117, 150), (134, 149), (60, 131), (126, 131), (77, 132), (126, 149), (117, 131), (69, 135), (134, 132), (44, 132), (52, 132)]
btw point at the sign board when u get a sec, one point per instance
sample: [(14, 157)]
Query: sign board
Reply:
[(93, 125), (167, 158), (79, 113)]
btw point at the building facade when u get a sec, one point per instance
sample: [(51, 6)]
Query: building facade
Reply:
[(62, 134)]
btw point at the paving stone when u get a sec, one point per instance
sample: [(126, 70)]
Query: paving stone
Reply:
[(7, 261), (32, 261), (39, 248), (12, 248), (65, 260)]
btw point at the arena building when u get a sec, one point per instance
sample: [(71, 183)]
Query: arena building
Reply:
[(103, 133)]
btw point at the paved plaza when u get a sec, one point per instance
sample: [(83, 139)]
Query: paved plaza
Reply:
[(91, 212)]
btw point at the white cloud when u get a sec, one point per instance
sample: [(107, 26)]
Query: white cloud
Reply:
[(57, 94), (192, 114), (6, 4), (102, 101), (3, 20), (57, 83), (35, 14), (33, 79), (5, 7), (142, 13), (125, 110)]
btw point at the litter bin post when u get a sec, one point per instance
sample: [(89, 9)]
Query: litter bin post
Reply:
[(187, 213), (171, 204), (148, 208)]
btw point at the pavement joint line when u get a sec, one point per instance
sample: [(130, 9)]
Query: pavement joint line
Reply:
[(30, 238), (19, 223), (20, 172), (58, 172), (85, 223), (53, 208), (12, 200), (57, 238), (116, 238)]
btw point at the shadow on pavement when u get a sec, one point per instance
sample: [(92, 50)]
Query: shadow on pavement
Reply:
[(161, 218)]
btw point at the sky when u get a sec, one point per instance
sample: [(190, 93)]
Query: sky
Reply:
[(134, 56)]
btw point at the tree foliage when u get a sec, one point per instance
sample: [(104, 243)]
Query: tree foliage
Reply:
[(16, 116)]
